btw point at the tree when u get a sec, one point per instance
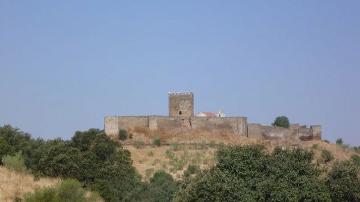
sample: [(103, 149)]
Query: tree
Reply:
[(123, 135), (84, 139), (344, 182), (339, 141), (161, 188), (249, 174), (94, 159), (61, 160), (282, 121), (5, 148)]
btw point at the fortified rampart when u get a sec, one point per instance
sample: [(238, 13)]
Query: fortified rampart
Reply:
[(181, 115), (294, 131), (113, 124)]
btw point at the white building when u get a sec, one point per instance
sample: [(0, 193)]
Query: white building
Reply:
[(211, 114)]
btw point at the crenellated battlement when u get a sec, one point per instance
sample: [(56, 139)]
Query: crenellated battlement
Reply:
[(173, 93)]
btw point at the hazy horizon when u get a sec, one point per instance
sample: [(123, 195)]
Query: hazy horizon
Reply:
[(66, 65)]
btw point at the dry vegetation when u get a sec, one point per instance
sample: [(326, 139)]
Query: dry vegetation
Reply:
[(15, 184), (174, 159), (180, 148)]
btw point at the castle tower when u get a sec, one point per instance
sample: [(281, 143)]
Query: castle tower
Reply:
[(181, 104)]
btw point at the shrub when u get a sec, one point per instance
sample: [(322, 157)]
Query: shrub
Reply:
[(123, 135), (44, 194), (157, 141), (282, 121), (68, 190), (150, 153), (326, 156), (15, 162), (139, 144), (161, 187), (344, 182), (175, 146), (149, 172), (191, 169), (339, 141), (355, 159), (315, 146)]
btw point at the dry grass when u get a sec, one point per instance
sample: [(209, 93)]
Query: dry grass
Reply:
[(14, 185), (196, 147), (173, 159)]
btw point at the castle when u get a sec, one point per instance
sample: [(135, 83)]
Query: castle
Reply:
[(181, 116)]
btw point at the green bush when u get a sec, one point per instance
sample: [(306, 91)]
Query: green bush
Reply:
[(66, 191), (339, 141), (248, 173), (161, 187), (156, 141), (356, 159), (42, 195), (15, 162), (344, 182), (282, 121), (191, 169), (123, 135), (326, 156)]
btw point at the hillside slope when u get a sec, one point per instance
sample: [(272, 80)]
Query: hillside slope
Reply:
[(14, 184), (180, 149)]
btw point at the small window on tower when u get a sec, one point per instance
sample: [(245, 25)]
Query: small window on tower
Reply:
[(180, 112)]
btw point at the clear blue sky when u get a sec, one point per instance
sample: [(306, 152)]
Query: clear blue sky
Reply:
[(66, 64)]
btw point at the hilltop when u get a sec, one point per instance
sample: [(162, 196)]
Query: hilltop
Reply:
[(174, 151)]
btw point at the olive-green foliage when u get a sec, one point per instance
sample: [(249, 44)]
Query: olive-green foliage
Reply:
[(12, 140), (191, 169), (67, 191), (356, 149), (249, 174), (282, 121), (344, 182), (339, 141), (356, 160), (326, 155), (5, 148), (161, 188), (90, 157), (157, 141), (123, 135), (14, 162), (93, 158)]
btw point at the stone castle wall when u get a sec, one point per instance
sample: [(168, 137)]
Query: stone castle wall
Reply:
[(114, 123), (181, 115), (295, 131), (237, 125)]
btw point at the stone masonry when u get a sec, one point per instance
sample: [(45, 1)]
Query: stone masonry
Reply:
[(181, 115)]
